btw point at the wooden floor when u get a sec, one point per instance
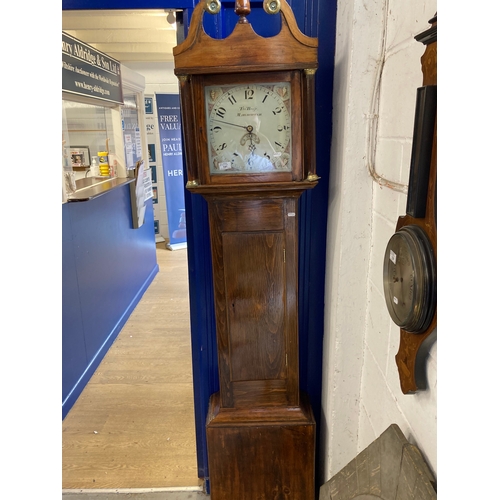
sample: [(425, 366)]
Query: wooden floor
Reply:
[(133, 425)]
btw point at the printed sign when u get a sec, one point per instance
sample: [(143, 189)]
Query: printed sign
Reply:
[(89, 72), (148, 105), (159, 213), (169, 126), (149, 190), (138, 198)]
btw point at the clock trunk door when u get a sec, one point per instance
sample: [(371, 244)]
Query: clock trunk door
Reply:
[(255, 279)]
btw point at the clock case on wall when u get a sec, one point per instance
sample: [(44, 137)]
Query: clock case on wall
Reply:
[(247, 105), (409, 269)]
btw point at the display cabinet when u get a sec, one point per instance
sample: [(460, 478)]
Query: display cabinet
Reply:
[(93, 126), (86, 130)]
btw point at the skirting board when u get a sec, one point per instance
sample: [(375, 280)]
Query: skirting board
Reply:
[(185, 493)]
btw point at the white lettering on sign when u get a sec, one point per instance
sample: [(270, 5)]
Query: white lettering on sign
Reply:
[(170, 122), (170, 126), (169, 118), (67, 47), (174, 173), (171, 147)]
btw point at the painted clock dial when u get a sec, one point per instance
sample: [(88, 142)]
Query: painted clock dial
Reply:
[(249, 128)]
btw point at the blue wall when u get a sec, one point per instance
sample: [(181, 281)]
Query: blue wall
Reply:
[(107, 265)]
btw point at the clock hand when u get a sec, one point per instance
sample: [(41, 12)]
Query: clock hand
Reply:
[(248, 128)]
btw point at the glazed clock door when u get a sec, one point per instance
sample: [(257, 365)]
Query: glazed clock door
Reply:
[(249, 127)]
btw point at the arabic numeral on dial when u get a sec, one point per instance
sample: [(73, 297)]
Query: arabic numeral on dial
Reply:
[(232, 99), (221, 147), (249, 93), (281, 128), (220, 112), (216, 129), (277, 110)]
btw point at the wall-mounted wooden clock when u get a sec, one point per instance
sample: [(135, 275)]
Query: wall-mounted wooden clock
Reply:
[(247, 107), (409, 271)]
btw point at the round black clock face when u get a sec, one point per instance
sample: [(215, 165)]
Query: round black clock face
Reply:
[(410, 279)]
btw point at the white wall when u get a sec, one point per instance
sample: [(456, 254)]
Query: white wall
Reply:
[(375, 50), (160, 78)]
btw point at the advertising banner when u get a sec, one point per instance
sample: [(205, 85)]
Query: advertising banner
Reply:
[(169, 128), (159, 211), (89, 72)]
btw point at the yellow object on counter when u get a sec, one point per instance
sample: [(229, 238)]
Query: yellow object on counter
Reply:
[(103, 163)]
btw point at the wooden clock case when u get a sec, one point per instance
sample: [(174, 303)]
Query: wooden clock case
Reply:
[(260, 427), (422, 210)]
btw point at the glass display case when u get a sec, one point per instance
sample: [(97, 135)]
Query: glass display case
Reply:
[(91, 128), (88, 131)]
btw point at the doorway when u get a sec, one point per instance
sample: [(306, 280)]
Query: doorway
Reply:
[(313, 216), (133, 425)]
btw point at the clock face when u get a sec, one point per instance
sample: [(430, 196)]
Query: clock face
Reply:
[(249, 128), (409, 279)]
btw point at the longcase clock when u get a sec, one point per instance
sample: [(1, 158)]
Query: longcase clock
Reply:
[(247, 106)]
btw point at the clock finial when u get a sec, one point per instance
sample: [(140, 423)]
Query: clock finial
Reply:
[(242, 8)]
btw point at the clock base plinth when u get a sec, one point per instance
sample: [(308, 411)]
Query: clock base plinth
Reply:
[(261, 453)]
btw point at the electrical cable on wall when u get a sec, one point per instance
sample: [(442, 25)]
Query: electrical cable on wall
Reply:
[(372, 123)]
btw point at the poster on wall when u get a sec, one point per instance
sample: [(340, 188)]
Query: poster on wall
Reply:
[(169, 127), (153, 174), (138, 198), (149, 190), (151, 135)]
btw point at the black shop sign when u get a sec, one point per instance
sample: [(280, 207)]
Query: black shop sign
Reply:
[(89, 72)]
